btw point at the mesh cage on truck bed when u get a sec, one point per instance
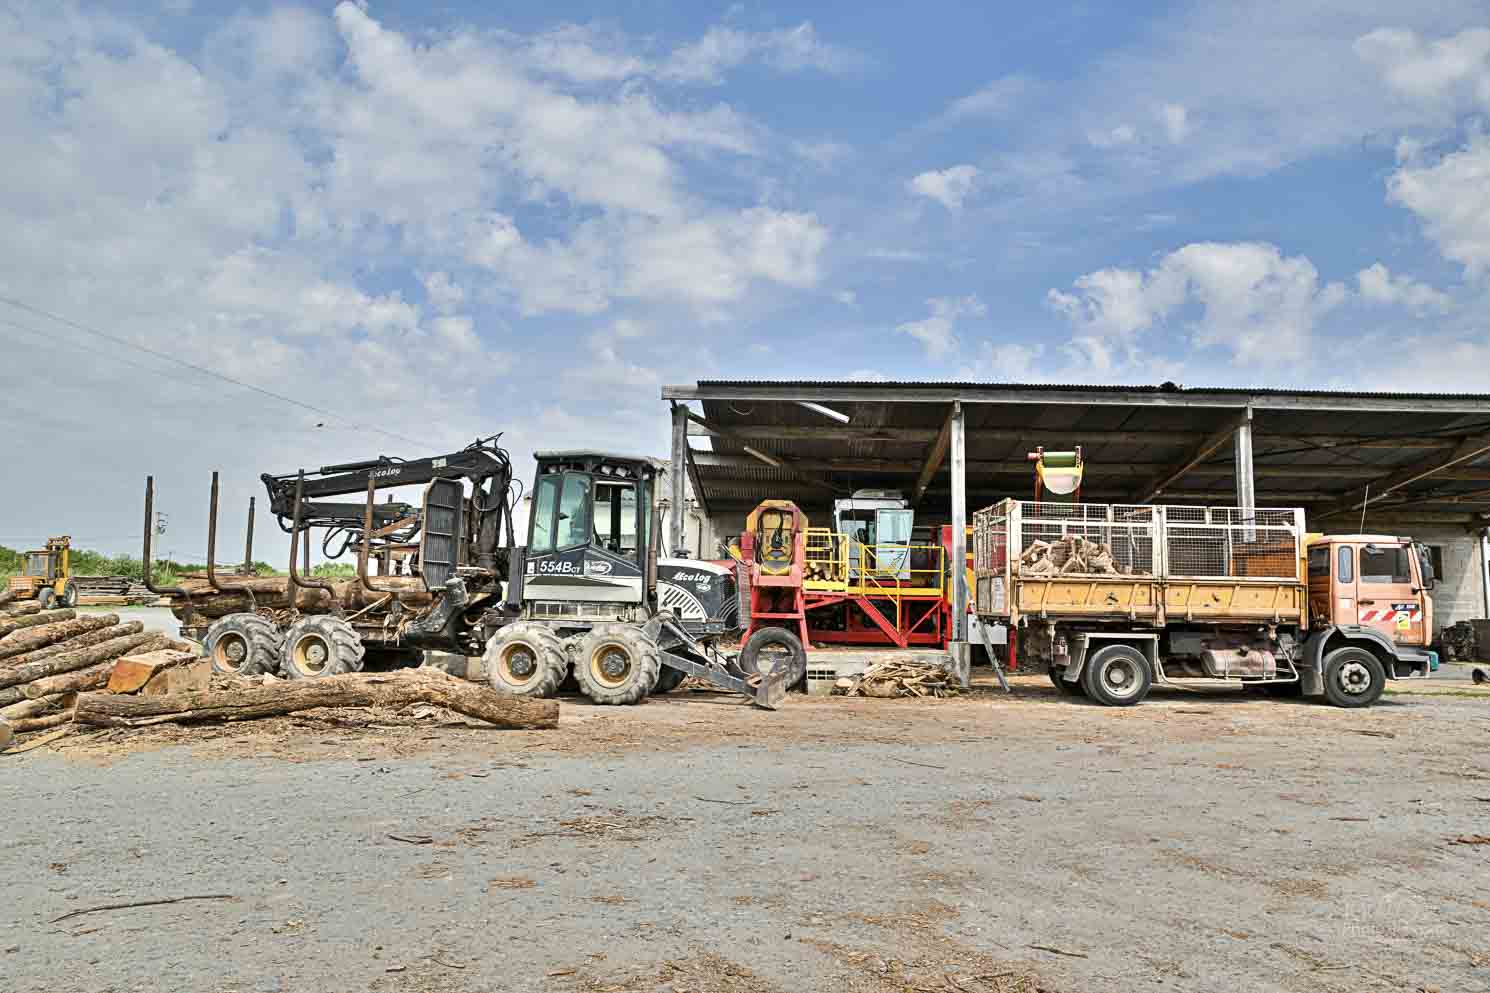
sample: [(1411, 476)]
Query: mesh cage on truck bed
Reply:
[(1018, 539)]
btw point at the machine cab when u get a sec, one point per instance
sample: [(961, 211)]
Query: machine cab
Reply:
[(1375, 581), (589, 528)]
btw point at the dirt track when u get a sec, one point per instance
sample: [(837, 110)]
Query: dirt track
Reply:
[(1192, 843)]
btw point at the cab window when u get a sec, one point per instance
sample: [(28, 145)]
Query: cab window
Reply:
[(544, 500), (1345, 565), (573, 526), (1319, 562), (615, 517), (1385, 565)]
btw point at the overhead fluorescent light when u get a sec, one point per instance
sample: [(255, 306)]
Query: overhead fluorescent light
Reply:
[(768, 460), (818, 408)]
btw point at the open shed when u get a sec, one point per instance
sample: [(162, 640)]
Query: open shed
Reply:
[(1417, 463)]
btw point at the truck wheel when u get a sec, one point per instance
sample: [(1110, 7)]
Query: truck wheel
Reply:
[(243, 645), (525, 658), (770, 649), (320, 645), (1117, 676), (1058, 677), (69, 597), (44, 597), (1353, 677), (616, 664), (669, 679)]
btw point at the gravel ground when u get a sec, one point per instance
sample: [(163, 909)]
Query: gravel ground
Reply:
[(693, 844)]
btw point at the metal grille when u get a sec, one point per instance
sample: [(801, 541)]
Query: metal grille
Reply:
[(1106, 539), (1232, 542)]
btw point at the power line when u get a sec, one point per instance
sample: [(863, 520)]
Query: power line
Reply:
[(22, 305)]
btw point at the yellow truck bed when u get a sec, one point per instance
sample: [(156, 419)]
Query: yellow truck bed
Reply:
[(1159, 602)]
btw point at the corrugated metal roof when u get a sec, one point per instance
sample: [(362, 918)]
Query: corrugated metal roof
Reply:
[(1173, 388)]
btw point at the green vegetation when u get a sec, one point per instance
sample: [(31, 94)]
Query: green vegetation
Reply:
[(165, 572)]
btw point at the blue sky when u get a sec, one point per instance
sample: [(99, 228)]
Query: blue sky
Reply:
[(451, 219)]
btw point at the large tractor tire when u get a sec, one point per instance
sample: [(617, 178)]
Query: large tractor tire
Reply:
[(669, 679), (525, 658), (1353, 677), (243, 645), (320, 645), (44, 596), (770, 649), (617, 664), (69, 597)]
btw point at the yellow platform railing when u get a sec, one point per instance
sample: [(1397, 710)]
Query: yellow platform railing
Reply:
[(835, 563)]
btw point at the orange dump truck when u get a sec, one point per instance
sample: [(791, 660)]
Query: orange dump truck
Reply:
[(1115, 598)]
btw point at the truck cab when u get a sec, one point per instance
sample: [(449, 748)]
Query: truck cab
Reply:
[(1374, 586)]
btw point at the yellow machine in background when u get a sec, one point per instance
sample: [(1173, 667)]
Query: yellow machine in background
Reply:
[(46, 575)]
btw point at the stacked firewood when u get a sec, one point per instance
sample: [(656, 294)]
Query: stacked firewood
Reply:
[(1071, 555), (899, 678), (48, 657)]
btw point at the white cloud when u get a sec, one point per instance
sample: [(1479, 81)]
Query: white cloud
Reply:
[(948, 187), (826, 155), (1378, 285), (444, 295), (937, 331), (1452, 199), (1122, 134), (1254, 302), (866, 376), (723, 48), (1176, 120), (994, 100), (847, 297), (1453, 70)]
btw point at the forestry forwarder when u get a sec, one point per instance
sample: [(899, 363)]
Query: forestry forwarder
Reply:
[(587, 594)]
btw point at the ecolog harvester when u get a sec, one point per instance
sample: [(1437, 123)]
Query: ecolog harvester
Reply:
[(1114, 598), (588, 593)]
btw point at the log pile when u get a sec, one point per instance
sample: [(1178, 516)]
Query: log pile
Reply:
[(269, 593), (1072, 555), (899, 678), (61, 671)]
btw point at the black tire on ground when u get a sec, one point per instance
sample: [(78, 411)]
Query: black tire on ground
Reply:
[(769, 648), (44, 596), (1117, 676), (616, 664), (243, 645), (669, 679), (525, 658), (69, 597), (1353, 677), (1067, 688), (320, 645)]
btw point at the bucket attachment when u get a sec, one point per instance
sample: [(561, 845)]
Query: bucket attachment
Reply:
[(770, 689)]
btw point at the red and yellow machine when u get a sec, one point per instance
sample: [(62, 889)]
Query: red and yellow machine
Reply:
[(773, 552)]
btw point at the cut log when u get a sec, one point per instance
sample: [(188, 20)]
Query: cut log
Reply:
[(73, 644), (391, 690), (43, 635), (33, 708), (6, 596), (269, 593), (10, 624), (42, 723), (180, 679), (108, 651), (18, 608), (82, 680), (133, 671), (7, 734)]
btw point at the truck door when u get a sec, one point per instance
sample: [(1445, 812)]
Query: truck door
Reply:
[(1388, 595)]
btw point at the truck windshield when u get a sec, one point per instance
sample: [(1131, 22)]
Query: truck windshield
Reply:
[(1385, 565), (573, 527), (544, 499), (36, 565)]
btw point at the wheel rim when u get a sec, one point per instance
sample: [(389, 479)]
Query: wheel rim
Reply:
[(611, 664), (311, 654), (1354, 678), (519, 664), (1120, 677), (230, 651)]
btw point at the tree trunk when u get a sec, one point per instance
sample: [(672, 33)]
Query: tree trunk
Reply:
[(7, 734), (50, 634), (41, 723), (390, 690), (68, 661), (10, 624), (32, 708), (19, 607), (269, 593), (95, 677), (6, 596), (81, 641)]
